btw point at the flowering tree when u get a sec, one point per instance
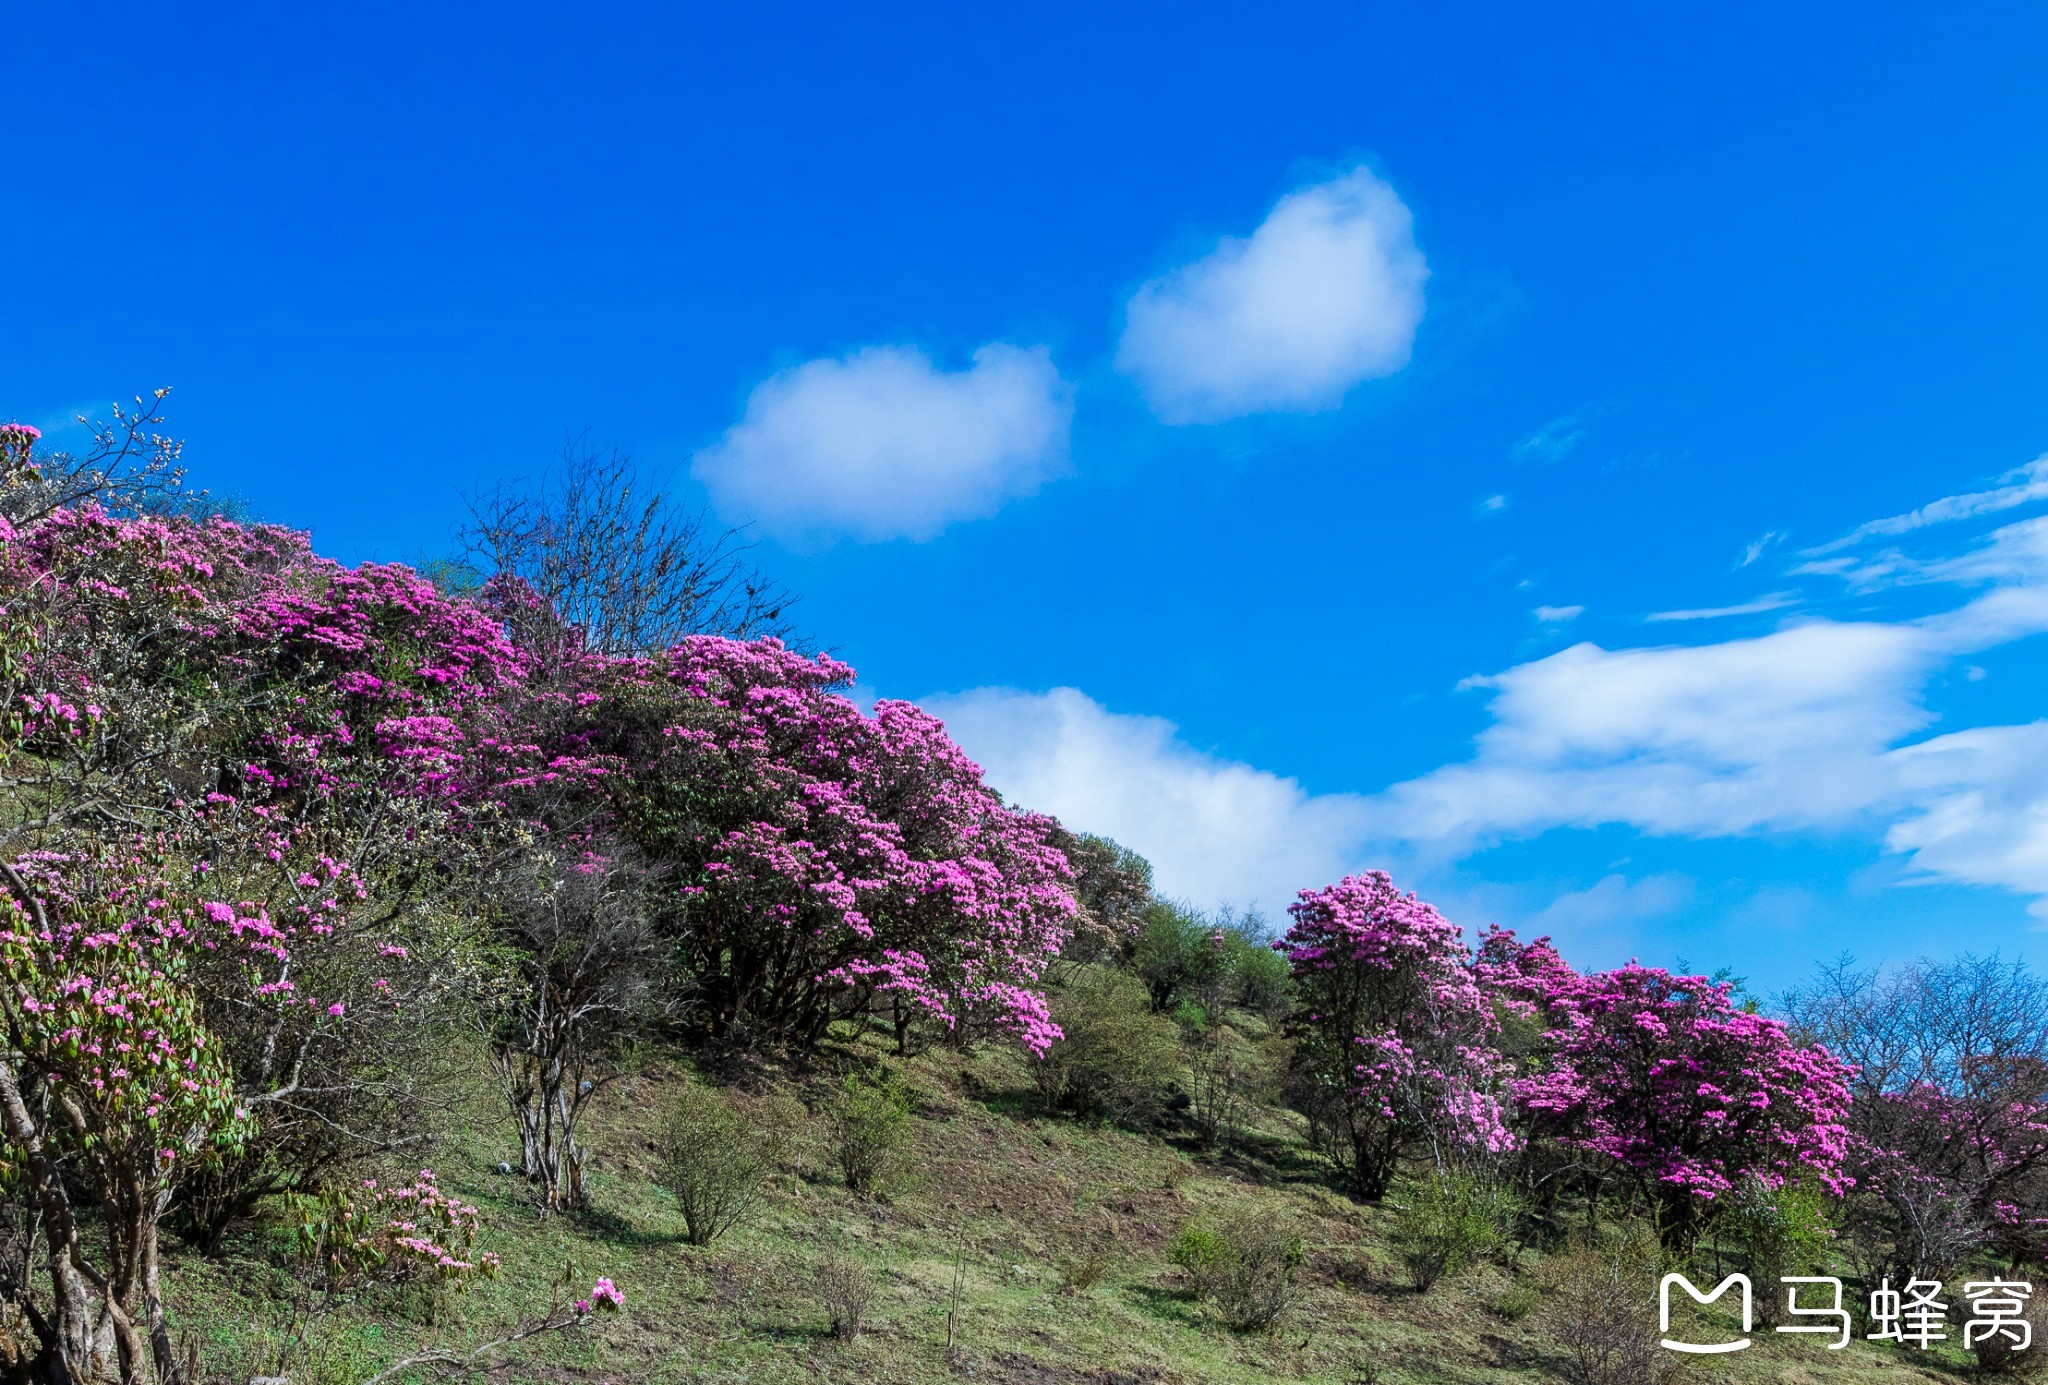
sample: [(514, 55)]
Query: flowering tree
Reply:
[(1681, 1091), (1393, 1050), (820, 858), (208, 767)]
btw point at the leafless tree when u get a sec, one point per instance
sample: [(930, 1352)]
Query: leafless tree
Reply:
[(605, 547), (127, 466), (1951, 1104), (1965, 1025), (579, 958)]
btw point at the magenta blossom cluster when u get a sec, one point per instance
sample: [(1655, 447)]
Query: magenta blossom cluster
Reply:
[(1393, 1030), (1666, 1077)]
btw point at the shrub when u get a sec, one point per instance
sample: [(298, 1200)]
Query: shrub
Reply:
[(871, 1133), (845, 1288), (1087, 1267), (1220, 1077), (1179, 955), (716, 1161), (1115, 1058), (1453, 1221), (1197, 1252), (1996, 1355), (1520, 1300), (1783, 1230), (1245, 1264), (1600, 1313)]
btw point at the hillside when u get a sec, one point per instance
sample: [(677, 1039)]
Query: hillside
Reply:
[(1022, 1198)]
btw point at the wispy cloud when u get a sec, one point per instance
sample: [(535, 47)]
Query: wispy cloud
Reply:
[(1813, 725), (1821, 724), (1756, 548), (2019, 486), (1555, 440), (1493, 504), (882, 444), (1558, 615), (1775, 601), (1324, 294)]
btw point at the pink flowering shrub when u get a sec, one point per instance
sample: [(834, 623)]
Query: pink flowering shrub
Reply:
[(1681, 1091), (1393, 1036), (823, 858), (409, 1234)]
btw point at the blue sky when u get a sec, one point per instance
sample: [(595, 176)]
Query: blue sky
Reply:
[(1269, 436)]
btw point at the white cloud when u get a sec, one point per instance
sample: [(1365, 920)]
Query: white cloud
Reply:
[(1215, 830), (1612, 904), (1554, 441), (1818, 725), (1781, 730), (2017, 487), (1811, 726), (1981, 809), (1493, 504), (1558, 615), (1774, 601), (880, 444), (1326, 293), (1756, 548)]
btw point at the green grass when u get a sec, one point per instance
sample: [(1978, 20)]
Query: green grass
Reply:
[(1014, 1193)]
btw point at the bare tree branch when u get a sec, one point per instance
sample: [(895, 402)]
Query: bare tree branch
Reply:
[(605, 548)]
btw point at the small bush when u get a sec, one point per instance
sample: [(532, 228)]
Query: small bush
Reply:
[(845, 1288), (1600, 1313), (1245, 1264), (1453, 1221), (1197, 1252), (1518, 1302), (716, 1161), (1996, 1354), (871, 1133), (1220, 1077), (1087, 1267), (1116, 1058), (1784, 1230)]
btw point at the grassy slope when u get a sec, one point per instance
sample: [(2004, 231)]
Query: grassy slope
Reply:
[(1017, 1195)]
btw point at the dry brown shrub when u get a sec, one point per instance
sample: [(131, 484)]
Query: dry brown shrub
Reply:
[(1600, 1312), (846, 1289), (1996, 1355)]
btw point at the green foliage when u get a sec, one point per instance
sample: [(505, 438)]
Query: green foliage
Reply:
[(1518, 1301), (1222, 1079), (1177, 955), (1198, 1253), (1193, 962), (1452, 1221), (1244, 1263), (716, 1160), (1116, 1058), (870, 1119), (1260, 977), (1785, 1230)]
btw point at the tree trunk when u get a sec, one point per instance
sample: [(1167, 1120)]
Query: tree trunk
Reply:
[(68, 1346)]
